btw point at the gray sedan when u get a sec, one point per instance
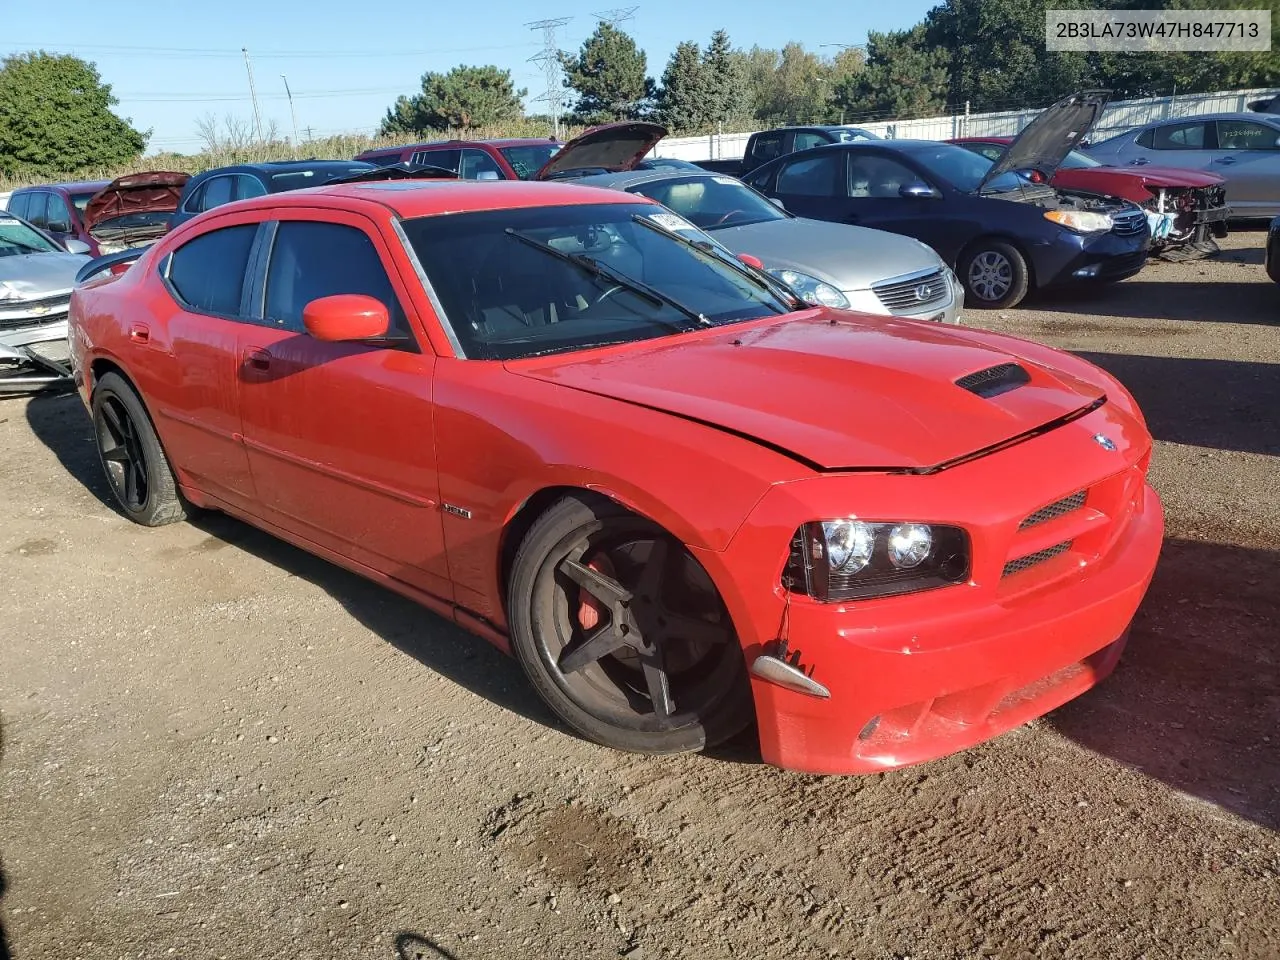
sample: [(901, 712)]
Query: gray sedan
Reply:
[(835, 264), (36, 277), (1243, 148)]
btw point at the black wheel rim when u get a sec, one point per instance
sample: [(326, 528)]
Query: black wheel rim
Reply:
[(122, 455), (661, 652)]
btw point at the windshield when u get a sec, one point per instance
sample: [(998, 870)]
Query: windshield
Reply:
[(850, 134), (964, 169), (605, 278), (711, 202), (1078, 161), (17, 238), (81, 200), (528, 160)]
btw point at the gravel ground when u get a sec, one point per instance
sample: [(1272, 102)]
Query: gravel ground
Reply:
[(218, 746)]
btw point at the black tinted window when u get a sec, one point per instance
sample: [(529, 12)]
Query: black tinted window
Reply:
[(875, 177), (208, 272), (445, 159), (18, 205), (766, 147), (810, 177), (216, 192), (1180, 136), (311, 260), (476, 162), (36, 210), (1147, 138), (56, 213)]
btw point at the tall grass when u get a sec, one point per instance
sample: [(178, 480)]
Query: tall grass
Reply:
[(340, 147)]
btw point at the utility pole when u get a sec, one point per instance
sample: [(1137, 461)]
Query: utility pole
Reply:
[(253, 94), (551, 70), (293, 116)]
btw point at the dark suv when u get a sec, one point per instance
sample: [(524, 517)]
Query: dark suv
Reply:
[(221, 185), (511, 159), (58, 209)]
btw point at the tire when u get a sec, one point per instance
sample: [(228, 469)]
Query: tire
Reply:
[(994, 274), (664, 672), (133, 460)]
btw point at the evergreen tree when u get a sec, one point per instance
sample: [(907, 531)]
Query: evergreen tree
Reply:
[(464, 97), (608, 75), (683, 97)]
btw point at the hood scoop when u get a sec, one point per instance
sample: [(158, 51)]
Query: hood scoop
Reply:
[(994, 381)]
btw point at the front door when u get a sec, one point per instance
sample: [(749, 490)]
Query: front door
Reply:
[(341, 436)]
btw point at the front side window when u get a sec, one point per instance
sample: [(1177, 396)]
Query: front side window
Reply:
[(81, 200), (17, 238), (476, 162), (247, 186), (519, 283), (57, 217), (963, 169), (710, 202), (1078, 161), (810, 177), (876, 177), (528, 160), (1246, 135), (310, 260), (207, 273), (807, 139), (1180, 136)]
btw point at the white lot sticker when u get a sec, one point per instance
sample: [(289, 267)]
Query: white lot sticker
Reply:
[(729, 180), (669, 221)]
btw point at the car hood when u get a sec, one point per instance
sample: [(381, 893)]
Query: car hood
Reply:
[(156, 192), (611, 148), (845, 256), (1048, 139), (836, 390), (39, 275)]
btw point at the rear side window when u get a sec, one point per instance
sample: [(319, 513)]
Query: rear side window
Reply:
[(446, 159), (18, 205), (216, 192), (207, 273), (310, 260), (247, 186), (1180, 136), (766, 147), (810, 177), (1147, 139), (37, 208)]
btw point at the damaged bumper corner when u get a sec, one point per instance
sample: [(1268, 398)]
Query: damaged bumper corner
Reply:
[(23, 370)]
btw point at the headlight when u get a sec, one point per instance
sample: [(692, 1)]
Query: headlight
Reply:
[(812, 290), (108, 247), (1081, 221), (854, 559)]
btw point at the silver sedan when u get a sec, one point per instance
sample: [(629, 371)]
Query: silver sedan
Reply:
[(836, 264), (1243, 148)]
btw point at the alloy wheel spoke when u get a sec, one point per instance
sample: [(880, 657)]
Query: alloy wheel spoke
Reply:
[(649, 587), (655, 679), (118, 454), (603, 641), (130, 483), (596, 583), (113, 422)]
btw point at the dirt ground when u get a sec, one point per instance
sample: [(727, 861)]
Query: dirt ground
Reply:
[(218, 746)]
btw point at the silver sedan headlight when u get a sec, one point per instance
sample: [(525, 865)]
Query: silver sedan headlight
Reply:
[(811, 289)]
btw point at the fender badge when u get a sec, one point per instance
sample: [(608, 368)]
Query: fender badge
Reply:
[(1106, 443)]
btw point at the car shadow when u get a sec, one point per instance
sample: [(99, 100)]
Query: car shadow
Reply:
[(1195, 701), (1216, 404), (60, 422), (414, 946), (4, 883), (1190, 302)]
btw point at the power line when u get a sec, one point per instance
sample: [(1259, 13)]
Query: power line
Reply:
[(551, 68), (221, 53), (617, 15)]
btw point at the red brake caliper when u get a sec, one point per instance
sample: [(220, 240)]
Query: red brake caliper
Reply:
[(591, 609)]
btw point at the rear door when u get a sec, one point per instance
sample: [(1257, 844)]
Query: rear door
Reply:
[(811, 186), (1248, 155), (194, 360), (341, 435)]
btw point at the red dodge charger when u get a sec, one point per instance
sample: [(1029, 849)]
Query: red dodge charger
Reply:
[(679, 496)]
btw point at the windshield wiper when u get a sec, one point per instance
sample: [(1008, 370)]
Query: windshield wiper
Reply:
[(597, 269), (765, 282)]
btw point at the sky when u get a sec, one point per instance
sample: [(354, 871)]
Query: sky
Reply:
[(346, 62)]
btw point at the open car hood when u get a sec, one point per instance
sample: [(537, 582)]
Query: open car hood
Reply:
[(854, 394), (1048, 139), (156, 192), (610, 148)]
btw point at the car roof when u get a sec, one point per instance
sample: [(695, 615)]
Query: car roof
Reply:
[(281, 166), (68, 186), (423, 198), (1267, 118), (445, 144)]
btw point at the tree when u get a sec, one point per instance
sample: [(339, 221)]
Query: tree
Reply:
[(682, 99), (463, 98), (55, 117), (903, 77), (798, 93), (724, 80), (608, 75)]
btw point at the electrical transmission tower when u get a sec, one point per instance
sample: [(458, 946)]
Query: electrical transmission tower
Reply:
[(549, 58), (617, 15)]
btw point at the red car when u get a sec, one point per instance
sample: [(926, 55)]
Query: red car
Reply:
[(1195, 203), (510, 159), (679, 496)]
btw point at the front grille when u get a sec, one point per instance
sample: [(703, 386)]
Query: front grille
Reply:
[(1128, 223), (994, 381), (913, 294), (1054, 510), (1034, 559), (31, 313)]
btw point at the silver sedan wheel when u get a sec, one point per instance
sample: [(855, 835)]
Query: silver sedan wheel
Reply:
[(990, 275)]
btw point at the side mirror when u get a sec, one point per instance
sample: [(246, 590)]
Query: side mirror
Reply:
[(346, 316), (488, 175), (751, 261), (58, 226), (777, 203), (76, 246), (918, 191)]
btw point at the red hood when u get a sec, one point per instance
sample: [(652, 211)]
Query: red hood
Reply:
[(857, 393), (1155, 176), (156, 192)]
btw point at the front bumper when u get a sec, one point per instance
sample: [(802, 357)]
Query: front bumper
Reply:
[(1076, 259), (944, 311), (923, 675), (34, 358)]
